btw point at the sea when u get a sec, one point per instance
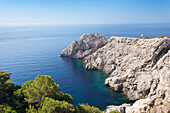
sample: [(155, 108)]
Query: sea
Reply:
[(30, 50)]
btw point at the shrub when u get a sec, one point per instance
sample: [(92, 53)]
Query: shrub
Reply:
[(136, 41), (50, 105), (6, 88), (42, 86), (161, 36), (161, 103), (81, 108), (146, 37), (31, 109), (34, 92), (168, 36), (6, 109), (114, 111), (4, 77)]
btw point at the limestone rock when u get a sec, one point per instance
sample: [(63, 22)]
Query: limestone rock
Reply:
[(149, 106), (121, 108), (135, 66), (87, 44)]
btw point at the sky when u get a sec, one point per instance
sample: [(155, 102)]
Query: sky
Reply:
[(84, 11)]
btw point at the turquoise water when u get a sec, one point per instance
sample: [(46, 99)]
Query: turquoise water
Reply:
[(27, 51)]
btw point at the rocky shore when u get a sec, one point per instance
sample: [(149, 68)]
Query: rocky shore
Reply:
[(138, 67)]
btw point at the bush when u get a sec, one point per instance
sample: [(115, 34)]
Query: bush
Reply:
[(6, 88), (161, 103), (31, 109), (50, 105), (161, 36), (35, 90), (81, 108), (168, 36), (146, 37), (114, 111), (6, 109), (4, 77)]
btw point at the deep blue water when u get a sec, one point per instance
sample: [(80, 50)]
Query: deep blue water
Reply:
[(27, 51)]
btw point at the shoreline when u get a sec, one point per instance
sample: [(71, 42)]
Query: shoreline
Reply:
[(133, 64)]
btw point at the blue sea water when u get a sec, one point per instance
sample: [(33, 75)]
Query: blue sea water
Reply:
[(27, 51)]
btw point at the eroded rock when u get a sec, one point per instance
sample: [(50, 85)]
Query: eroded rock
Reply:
[(134, 65), (87, 44)]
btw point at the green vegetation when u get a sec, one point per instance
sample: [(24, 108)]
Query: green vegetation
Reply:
[(49, 105), (41, 95), (81, 108), (161, 36), (6, 109), (168, 36), (161, 103), (146, 37), (136, 40), (114, 112)]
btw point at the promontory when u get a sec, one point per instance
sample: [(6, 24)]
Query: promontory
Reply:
[(138, 67)]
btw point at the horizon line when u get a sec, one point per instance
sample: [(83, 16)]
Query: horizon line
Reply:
[(5, 24)]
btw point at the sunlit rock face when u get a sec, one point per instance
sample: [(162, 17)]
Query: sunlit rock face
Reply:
[(87, 44), (135, 66)]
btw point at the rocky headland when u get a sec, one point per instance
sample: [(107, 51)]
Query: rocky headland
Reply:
[(138, 67), (87, 45)]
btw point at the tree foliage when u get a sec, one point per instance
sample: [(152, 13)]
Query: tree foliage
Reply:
[(43, 86), (31, 109), (4, 77), (61, 96), (82, 108), (114, 111), (161, 36), (41, 95), (50, 105), (35, 90), (6, 87), (6, 109)]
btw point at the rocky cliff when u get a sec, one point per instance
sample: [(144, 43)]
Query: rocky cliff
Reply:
[(87, 44), (138, 67)]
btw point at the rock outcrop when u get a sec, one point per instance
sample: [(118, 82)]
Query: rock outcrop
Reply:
[(138, 67), (87, 44)]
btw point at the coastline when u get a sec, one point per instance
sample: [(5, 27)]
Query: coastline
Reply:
[(127, 60), (105, 95), (107, 75)]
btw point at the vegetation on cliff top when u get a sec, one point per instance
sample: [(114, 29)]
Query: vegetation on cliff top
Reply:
[(41, 95)]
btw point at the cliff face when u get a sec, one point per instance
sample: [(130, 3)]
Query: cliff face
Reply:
[(131, 64), (138, 67), (87, 44)]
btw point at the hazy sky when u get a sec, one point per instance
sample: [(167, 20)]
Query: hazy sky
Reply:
[(84, 11)]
